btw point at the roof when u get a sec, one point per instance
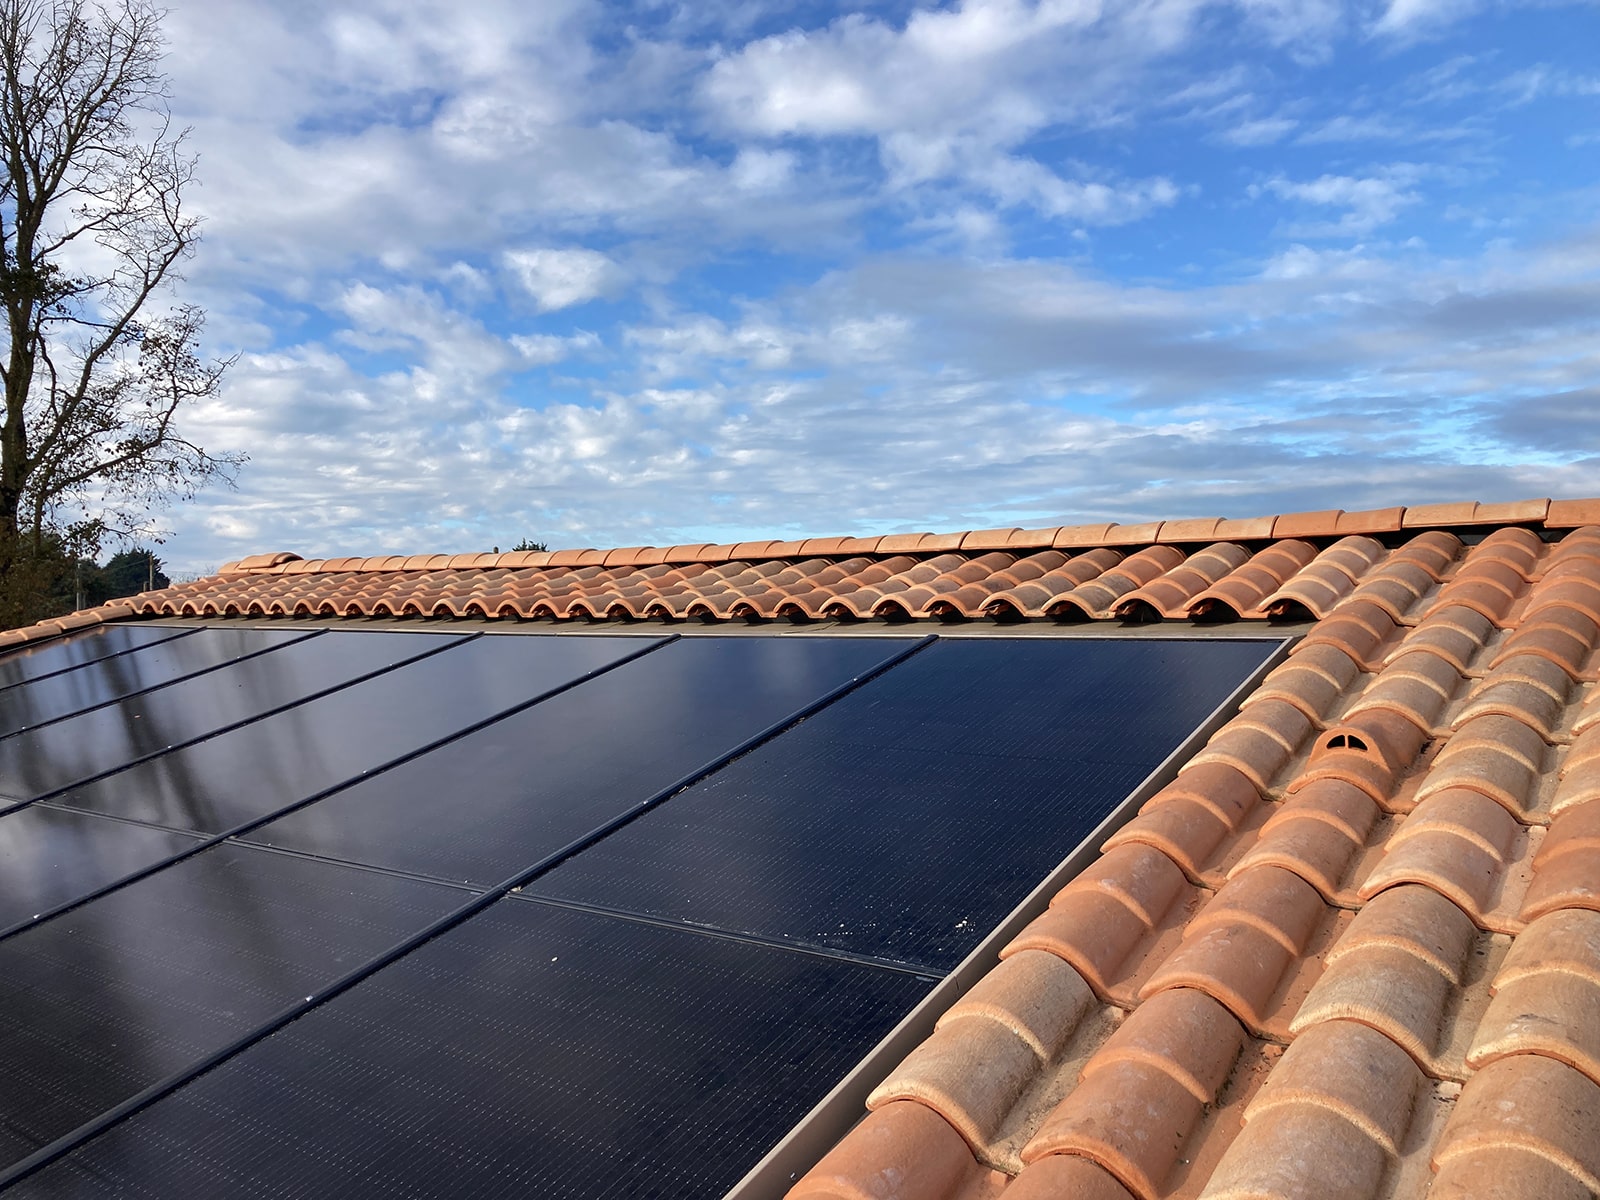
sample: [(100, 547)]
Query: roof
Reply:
[(1352, 950), (1206, 568)]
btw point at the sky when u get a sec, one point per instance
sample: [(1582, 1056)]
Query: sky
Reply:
[(610, 274)]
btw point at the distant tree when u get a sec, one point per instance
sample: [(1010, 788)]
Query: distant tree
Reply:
[(527, 544), (129, 573), (92, 228)]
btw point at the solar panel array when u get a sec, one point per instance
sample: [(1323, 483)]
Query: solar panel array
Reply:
[(300, 912)]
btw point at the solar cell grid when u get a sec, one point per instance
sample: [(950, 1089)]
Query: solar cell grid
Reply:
[(49, 857), (736, 958)]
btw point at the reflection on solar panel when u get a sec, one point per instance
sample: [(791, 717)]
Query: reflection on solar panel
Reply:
[(55, 756), (107, 679), (63, 654), (436, 914)]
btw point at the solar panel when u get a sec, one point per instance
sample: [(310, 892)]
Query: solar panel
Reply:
[(907, 819), (55, 756), (63, 654), (647, 1017), (49, 857), (259, 768), (107, 679), (500, 799), (532, 1051), (111, 997)]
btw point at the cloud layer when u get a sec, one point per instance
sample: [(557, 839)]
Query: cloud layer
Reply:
[(599, 277)]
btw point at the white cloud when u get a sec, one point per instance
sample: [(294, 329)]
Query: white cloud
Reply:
[(557, 278), (1406, 20), (862, 291), (1004, 70), (1263, 131), (757, 170), (1308, 25), (1369, 201)]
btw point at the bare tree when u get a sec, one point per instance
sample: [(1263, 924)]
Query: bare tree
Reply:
[(92, 229)]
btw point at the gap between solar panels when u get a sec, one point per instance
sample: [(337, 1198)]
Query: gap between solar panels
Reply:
[(65, 1144)]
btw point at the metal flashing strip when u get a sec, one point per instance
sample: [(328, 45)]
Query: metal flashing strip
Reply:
[(842, 1108)]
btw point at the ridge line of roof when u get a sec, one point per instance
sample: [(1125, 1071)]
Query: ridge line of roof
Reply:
[(1545, 512), (1417, 519)]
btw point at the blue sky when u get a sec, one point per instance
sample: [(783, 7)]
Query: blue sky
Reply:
[(610, 274)]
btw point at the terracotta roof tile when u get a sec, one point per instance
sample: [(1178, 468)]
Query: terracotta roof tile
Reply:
[(1245, 529), (1312, 680), (1058, 1175), (1397, 969), (1037, 597), (1097, 597), (1171, 594), (1308, 524), (1243, 589), (1144, 1093), (1194, 529), (1515, 512), (902, 1151), (1072, 536), (1534, 1105), (1318, 834), (1463, 512), (1564, 514), (1299, 1150), (988, 539), (1373, 520), (1500, 756), (1464, 846), (1133, 535), (1244, 948), (1547, 996)]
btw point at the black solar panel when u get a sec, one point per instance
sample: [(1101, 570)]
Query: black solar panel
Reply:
[(906, 820), (530, 1052), (499, 800), (49, 857), (646, 1018), (55, 756), (111, 997), (108, 679), (63, 654), (269, 764)]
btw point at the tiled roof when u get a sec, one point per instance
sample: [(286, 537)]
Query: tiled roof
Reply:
[(1299, 563), (1353, 950)]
